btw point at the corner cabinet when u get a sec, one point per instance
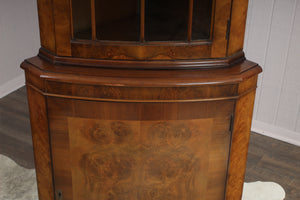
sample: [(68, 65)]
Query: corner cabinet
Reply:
[(141, 99)]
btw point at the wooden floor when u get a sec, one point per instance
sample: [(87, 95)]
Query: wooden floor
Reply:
[(268, 159)]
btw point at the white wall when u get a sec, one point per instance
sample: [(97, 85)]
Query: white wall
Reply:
[(19, 39), (273, 40)]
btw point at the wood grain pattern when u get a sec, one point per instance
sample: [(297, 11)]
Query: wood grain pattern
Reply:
[(143, 64), (136, 78), (240, 142), (136, 51), (238, 26), (46, 24), (41, 144), (136, 160), (118, 131), (62, 24), (222, 15), (140, 94)]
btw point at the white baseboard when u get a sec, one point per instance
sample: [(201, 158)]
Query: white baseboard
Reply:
[(276, 132), (12, 85)]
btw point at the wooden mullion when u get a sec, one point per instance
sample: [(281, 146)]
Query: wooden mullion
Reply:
[(93, 20), (190, 23), (142, 23), (71, 21)]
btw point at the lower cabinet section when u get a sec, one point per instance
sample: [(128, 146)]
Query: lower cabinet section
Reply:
[(132, 151), (112, 134)]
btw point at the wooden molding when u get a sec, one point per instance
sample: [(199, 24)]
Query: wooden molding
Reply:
[(130, 64)]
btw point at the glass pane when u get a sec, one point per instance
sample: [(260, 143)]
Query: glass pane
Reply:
[(201, 19), (82, 19), (118, 20), (166, 20)]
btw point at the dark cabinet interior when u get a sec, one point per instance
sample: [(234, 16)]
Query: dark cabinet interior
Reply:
[(142, 20)]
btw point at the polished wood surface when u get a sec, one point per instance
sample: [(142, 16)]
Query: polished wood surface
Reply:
[(46, 24), (62, 24), (75, 74), (135, 159), (41, 144), (153, 64), (239, 146), (83, 105), (219, 47), (237, 26), (109, 130)]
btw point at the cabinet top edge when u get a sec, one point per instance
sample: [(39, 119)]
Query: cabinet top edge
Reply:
[(45, 70)]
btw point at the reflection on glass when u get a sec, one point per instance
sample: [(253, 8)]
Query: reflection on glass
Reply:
[(117, 20), (202, 11), (166, 20), (81, 11)]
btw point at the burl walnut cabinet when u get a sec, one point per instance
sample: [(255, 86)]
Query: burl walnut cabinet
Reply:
[(141, 99)]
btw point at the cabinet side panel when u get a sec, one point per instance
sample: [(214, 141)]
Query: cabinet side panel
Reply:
[(62, 18), (222, 14), (46, 24), (238, 26), (40, 137), (239, 146)]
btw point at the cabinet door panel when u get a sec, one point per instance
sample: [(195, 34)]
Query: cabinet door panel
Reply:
[(110, 150)]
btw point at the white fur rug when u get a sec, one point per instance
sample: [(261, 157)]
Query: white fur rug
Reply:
[(18, 183), (263, 191)]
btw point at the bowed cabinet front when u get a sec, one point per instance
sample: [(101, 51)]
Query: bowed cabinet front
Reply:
[(143, 137)]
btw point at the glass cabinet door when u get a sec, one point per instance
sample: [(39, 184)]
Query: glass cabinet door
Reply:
[(117, 20), (82, 25), (166, 20), (202, 19), (142, 30), (142, 20)]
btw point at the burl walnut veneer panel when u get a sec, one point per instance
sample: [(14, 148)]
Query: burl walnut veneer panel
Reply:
[(144, 159), (97, 155)]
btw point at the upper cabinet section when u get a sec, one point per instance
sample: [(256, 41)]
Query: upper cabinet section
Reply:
[(143, 30)]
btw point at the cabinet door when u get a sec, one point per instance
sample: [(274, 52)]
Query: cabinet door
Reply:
[(142, 29), (119, 150)]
